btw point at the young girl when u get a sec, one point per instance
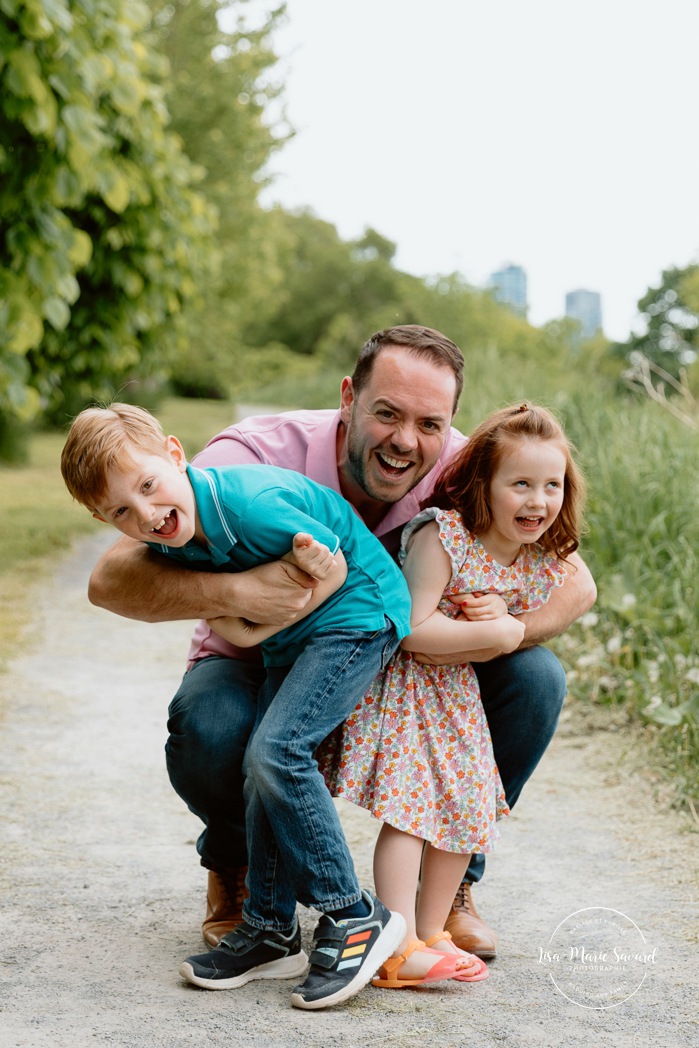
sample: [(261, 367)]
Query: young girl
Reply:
[(416, 751)]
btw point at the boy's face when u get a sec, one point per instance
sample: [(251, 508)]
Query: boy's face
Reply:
[(151, 500)]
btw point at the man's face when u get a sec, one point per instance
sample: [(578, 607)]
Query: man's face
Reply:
[(395, 428)]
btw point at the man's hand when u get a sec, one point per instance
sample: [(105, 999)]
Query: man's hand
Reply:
[(311, 556), (274, 593)]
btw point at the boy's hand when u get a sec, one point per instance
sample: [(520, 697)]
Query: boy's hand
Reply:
[(312, 556), (477, 607)]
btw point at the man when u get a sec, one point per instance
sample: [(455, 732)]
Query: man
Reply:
[(382, 451)]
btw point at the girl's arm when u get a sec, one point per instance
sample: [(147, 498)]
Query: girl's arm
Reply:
[(246, 634), (427, 571)]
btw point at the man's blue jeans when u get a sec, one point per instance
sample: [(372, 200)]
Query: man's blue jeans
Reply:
[(213, 713)]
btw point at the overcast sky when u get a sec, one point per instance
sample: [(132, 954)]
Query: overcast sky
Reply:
[(558, 135)]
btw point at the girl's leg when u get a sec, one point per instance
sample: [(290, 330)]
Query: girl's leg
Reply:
[(442, 873), (397, 858)]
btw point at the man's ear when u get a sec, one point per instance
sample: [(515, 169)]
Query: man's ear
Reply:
[(346, 398), (176, 451)]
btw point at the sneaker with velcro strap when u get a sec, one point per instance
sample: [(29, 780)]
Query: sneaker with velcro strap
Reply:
[(245, 954), (347, 953)]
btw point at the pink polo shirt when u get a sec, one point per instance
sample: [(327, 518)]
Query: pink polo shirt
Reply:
[(304, 441)]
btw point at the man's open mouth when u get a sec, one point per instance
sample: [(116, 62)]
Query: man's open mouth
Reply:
[(394, 467), (167, 526)]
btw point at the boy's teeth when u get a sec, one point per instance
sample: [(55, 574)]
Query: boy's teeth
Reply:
[(159, 526)]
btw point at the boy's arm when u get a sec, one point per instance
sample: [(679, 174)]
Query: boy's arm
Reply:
[(134, 581), (246, 634)]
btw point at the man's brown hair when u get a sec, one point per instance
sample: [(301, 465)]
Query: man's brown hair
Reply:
[(420, 342)]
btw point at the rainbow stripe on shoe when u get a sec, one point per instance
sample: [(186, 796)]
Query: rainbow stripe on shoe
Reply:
[(347, 953)]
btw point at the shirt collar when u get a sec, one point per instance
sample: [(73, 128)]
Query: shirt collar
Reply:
[(216, 524)]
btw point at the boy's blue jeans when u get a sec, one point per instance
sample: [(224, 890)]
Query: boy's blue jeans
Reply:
[(296, 846), (214, 710)]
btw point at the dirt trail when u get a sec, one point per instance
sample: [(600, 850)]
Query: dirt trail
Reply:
[(102, 893)]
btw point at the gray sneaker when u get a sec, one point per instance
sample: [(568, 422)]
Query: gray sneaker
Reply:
[(347, 953), (244, 954)]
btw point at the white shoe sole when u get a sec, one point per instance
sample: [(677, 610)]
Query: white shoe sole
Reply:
[(391, 937), (284, 968)]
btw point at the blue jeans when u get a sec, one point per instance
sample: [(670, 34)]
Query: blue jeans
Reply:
[(213, 713), (296, 847)]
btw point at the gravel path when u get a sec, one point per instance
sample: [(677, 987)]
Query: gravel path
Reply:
[(102, 893)]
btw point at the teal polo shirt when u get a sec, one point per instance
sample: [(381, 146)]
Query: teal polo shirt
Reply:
[(250, 515)]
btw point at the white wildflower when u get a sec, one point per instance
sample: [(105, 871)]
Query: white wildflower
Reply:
[(614, 644), (628, 601), (692, 675), (653, 672), (589, 619)]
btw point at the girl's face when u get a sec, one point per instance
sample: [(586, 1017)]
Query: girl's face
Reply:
[(526, 495)]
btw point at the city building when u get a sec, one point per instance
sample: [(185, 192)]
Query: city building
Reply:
[(585, 307), (509, 286)]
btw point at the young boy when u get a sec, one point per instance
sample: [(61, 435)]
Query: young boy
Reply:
[(120, 465)]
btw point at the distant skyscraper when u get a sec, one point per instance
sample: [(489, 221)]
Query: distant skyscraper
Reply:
[(509, 286), (586, 307)]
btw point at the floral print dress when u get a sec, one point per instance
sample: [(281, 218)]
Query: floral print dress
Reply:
[(416, 751)]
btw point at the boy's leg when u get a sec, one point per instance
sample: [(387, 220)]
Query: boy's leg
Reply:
[(292, 813), (211, 718), (289, 808), (522, 695)]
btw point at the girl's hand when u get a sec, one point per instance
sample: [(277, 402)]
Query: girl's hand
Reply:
[(478, 607)]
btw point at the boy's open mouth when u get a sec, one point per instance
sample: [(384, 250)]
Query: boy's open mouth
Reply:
[(167, 526)]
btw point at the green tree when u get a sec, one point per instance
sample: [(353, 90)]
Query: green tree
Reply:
[(103, 240), (670, 313), (222, 98)]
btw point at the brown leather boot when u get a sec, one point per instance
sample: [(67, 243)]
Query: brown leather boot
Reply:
[(225, 895), (467, 929)]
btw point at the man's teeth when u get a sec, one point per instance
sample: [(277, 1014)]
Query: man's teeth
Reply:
[(394, 463)]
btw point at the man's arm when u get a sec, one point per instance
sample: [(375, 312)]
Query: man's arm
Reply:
[(246, 634), (134, 581), (565, 605)]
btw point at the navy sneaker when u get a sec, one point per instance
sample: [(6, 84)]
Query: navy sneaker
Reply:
[(244, 954), (347, 953)]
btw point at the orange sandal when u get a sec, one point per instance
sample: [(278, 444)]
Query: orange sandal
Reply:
[(444, 967), (464, 974)]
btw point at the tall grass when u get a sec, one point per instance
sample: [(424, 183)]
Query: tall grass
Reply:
[(639, 647)]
